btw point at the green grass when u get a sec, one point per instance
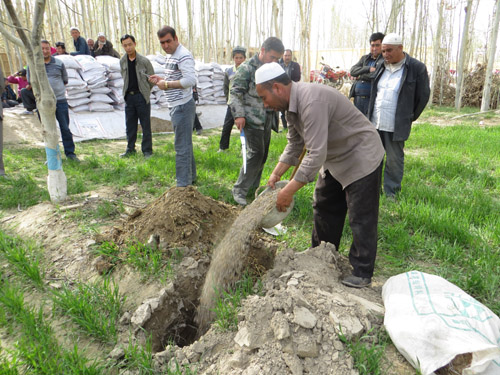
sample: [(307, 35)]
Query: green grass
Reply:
[(37, 348), (368, 351), (94, 307), (227, 303), (23, 259)]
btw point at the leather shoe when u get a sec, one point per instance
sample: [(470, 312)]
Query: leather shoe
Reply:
[(147, 155), (357, 282), (238, 198), (127, 154), (73, 157)]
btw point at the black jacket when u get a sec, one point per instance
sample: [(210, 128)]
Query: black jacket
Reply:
[(294, 71), (414, 93), (361, 70)]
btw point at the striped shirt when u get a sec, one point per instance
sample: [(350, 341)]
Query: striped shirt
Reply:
[(180, 67)]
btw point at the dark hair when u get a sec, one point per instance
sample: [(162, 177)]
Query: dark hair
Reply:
[(127, 36), (239, 53), (377, 36), (273, 43), (166, 30), (284, 79), (22, 73), (45, 41), (61, 44)]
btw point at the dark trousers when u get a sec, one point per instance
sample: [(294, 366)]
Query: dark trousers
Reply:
[(360, 200), (257, 142), (361, 103), (136, 109), (394, 163), (283, 120), (197, 123), (9, 103), (28, 99), (62, 116), (226, 129)]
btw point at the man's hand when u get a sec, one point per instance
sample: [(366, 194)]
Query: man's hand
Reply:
[(372, 69), (154, 78), (284, 200), (272, 180), (240, 123)]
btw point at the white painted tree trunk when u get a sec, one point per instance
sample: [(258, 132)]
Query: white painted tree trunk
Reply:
[(45, 98), (485, 101)]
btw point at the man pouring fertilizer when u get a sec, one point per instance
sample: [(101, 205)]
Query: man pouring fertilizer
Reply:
[(344, 147)]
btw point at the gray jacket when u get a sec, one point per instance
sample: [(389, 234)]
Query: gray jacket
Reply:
[(143, 67)]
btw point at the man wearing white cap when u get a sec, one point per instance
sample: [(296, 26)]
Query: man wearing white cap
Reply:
[(104, 47), (343, 146), (400, 91), (79, 42)]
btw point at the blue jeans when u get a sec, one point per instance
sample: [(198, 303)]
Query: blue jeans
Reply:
[(62, 116), (183, 120), (136, 109)]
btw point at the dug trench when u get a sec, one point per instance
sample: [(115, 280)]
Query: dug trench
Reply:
[(291, 327)]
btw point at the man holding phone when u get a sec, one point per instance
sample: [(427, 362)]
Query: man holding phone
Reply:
[(136, 70)]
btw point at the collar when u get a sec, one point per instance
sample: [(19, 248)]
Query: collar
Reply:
[(293, 102), (395, 67), (52, 60)]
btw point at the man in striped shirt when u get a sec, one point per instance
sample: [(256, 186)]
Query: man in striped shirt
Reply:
[(178, 82)]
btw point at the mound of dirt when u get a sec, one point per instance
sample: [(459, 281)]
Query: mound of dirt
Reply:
[(294, 327), (182, 216)]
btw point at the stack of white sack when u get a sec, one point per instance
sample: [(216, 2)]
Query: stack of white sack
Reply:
[(94, 73), (218, 82), (158, 97), (77, 92), (204, 83), (114, 80)]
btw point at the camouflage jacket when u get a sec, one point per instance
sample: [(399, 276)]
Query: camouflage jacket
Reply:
[(244, 101)]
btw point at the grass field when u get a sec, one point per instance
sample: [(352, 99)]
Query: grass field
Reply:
[(446, 221)]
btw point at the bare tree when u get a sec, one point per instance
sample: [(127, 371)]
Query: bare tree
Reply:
[(485, 102), (436, 50), (305, 12), (463, 54), (45, 98)]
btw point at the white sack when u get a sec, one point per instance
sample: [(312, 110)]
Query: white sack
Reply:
[(69, 61), (101, 98)]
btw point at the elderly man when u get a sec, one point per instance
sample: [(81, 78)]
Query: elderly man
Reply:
[(104, 47), (364, 71), (400, 91), (178, 82), (81, 47), (343, 146), (251, 117)]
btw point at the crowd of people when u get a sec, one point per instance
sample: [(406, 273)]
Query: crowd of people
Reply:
[(351, 147)]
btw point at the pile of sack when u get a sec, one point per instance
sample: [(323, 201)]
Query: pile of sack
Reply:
[(210, 83), (158, 97), (114, 80)]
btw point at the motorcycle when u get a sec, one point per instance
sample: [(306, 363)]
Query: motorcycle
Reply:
[(327, 76)]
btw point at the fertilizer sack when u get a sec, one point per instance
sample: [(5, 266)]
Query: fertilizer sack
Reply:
[(431, 321)]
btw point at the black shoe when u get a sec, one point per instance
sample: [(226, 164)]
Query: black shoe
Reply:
[(73, 157), (147, 155), (127, 154), (357, 282)]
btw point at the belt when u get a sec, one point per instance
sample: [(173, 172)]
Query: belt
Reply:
[(133, 92)]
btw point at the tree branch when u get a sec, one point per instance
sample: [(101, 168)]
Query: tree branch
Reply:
[(38, 20), (17, 24), (9, 36)]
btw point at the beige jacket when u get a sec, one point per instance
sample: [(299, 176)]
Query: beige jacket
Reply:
[(337, 136)]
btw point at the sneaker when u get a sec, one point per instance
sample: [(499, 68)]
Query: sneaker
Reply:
[(221, 150), (357, 282), (73, 157), (148, 155), (239, 198), (199, 131), (127, 154), (27, 113)]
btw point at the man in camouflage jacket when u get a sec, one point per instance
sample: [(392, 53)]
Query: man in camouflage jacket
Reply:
[(250, 114)]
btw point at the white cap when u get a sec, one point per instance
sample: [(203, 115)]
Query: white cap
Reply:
[(101, 34), (393, 39), (74, 28), (268, 72)]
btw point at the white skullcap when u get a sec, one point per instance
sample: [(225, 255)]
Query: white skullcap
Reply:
[(393, 39), (74, 28), (101, 34), (268, 72)]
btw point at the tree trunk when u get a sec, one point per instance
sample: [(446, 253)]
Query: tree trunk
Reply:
[(462, 59), (485, 102), (436, 50), (45, 98)]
